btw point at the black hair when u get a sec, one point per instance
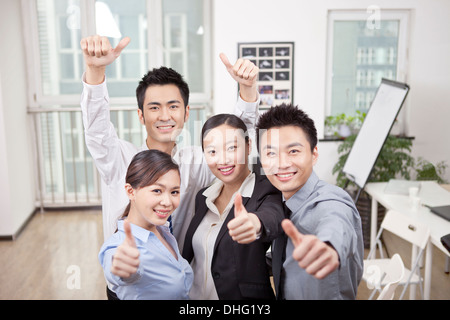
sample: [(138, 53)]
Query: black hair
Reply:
[(287, 115), (223, 118), (161, 76)]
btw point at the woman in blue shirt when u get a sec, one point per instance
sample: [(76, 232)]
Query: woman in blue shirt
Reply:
[(141, 260)]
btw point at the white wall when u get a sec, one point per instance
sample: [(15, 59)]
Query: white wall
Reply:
[(17, 197), (305, 23)]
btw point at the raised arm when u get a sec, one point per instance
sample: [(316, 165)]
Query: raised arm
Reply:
[(100, 136), (245, 73)]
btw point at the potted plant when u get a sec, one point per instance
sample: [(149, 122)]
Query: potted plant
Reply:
[(425, 170), (342, 125), (394, 161)]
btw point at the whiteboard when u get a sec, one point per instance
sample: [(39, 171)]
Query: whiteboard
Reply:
[(374, 131)]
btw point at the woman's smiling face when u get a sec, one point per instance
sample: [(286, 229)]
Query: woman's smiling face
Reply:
[(152, 205), (226, 153)]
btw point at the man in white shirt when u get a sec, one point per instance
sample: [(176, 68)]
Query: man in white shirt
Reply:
[(163, 110)]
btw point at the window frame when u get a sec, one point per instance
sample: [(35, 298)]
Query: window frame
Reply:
[(56, 175), (155, 57), (402, 15)]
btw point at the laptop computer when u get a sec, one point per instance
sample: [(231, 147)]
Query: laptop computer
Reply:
[(442, 211)]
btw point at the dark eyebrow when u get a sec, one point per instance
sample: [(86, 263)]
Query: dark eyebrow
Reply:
[(164, 186), (158, 103), (230, 142), (295, 144), (268, 147), (159, 184)]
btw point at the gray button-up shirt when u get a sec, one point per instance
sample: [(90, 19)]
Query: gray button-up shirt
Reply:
[(329, 213)]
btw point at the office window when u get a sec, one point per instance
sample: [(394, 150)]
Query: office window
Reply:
[(174, 33), (363, 48), (125, 18), (183, 27)]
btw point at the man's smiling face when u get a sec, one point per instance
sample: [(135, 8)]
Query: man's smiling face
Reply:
[(286, 158), (164, 113)]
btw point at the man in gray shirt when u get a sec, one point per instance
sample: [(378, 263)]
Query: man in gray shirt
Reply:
[(322, 257)]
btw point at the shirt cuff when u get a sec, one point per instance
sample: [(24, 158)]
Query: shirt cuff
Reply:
[(95, 91), (245, 106)]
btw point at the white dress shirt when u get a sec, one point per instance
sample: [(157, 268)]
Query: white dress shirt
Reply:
[(113, 155), (205, 237)]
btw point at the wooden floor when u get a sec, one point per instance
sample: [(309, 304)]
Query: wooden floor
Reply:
[(55, 257)]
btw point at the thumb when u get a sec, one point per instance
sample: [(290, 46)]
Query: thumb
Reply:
[(129, 239), (239, 208), (292, 231), (122, 44), (225, 61)]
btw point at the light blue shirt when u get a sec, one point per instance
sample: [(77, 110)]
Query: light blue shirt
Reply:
[(159, 277), (329, 213)]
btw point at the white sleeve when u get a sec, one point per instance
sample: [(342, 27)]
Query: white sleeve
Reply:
[(248, 112), (111, 154)]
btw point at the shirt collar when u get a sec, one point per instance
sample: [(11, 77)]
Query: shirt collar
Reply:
[(174, 150), (138, 232), (211, 193), (245, 190), (296, 201)]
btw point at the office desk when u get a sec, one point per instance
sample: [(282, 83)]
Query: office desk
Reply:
[(431, 194)]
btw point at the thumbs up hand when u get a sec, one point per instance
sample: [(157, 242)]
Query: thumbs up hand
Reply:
[(126, 259), (318, 258), (98, 53), (245, 73), (245, 226)]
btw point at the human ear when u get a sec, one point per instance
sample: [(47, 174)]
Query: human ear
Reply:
[(141, 116), (129, 191), (249, 143), (315, 155), (186, 113)]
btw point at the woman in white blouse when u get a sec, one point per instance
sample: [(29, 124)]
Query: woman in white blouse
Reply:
[(236, 218)]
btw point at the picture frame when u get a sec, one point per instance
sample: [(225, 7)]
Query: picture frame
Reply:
[(276, 70)]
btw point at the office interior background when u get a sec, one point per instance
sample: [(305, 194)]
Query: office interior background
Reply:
[(342, 49)]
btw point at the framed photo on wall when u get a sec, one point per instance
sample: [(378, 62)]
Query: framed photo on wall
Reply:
[(276, 64)]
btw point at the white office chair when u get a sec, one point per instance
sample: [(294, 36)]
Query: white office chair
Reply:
[(395, 272), (407, 229)]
